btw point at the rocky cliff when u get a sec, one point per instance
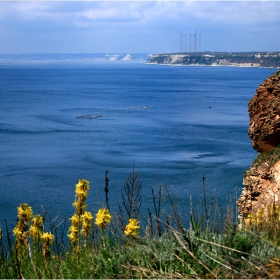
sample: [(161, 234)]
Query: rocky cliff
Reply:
[(244, 59), (262, 180)]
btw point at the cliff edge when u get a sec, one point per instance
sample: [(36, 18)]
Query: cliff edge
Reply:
[(262, 180), (235, 59)]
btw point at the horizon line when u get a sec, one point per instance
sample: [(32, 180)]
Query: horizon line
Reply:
[(110, 53), (138, 1)]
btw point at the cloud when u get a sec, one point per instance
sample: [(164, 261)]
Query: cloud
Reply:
[(216, 11), (135, 24), (237, 12), (124, 12), (141, 12)]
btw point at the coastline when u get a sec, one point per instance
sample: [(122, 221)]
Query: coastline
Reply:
[(248, 59), (205, 65)]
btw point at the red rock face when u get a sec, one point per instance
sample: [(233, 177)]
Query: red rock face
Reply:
[(264, 112), (262, 180), (261, 185)]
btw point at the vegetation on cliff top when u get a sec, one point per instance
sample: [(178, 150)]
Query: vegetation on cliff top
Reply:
[(268, 159)]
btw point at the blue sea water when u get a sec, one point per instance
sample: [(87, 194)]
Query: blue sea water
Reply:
[(171, 124)]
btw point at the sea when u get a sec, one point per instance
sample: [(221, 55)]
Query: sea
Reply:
[(183, 128)]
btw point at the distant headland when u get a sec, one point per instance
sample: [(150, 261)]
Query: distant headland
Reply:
[(237, 59)]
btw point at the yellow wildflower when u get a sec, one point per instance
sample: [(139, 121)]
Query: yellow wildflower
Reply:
[(80, 207), (259, 219), (73, 236), (86, 218), (35, 233), (25, 212), (38, 221), (21, 229), (47, 237), (80, 191), (132, 229), (250, 220), (74, 228), (21, 236), (35, 230), (82, 187), (83, 184), (273, 213), (80, 221), (17, 232), (74, 220), (276, 208), (103, 217), (81, 194)]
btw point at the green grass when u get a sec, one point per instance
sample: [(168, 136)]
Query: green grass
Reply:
[(269, 159), (235, 254), (175, 251)]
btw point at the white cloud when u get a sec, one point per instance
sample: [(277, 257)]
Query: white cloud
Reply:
[(216, 11), (154, 24), (110, 12), (237, 12), (160, 11)]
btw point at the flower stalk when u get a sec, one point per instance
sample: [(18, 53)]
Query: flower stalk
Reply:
[(103, 218), (81, 220)]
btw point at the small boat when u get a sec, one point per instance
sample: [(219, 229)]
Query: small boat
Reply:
[(88, 116)]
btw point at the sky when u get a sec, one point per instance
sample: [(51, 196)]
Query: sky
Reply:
[(137, 26)]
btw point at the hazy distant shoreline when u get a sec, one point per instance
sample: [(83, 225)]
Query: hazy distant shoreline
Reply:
[(75, 57), (233, 59), (240, 59)]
